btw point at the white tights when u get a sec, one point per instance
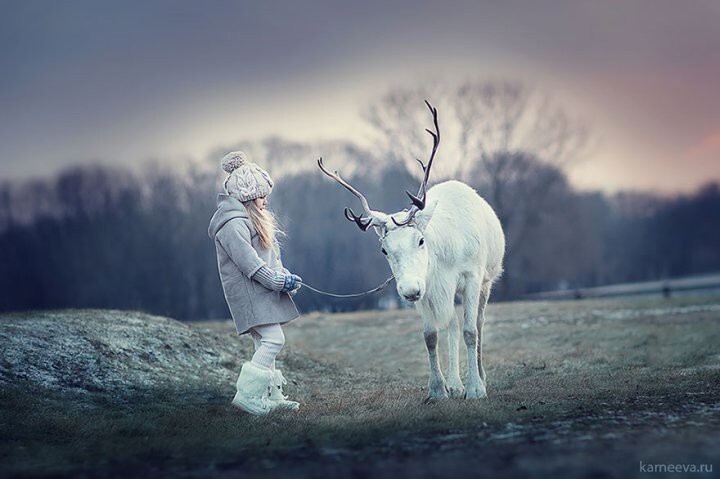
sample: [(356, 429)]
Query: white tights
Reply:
[(269, 339)]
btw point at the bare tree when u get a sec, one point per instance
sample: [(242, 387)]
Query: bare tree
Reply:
[(481, 119)]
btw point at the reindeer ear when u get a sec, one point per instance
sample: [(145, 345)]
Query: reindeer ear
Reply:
[(422, 218)]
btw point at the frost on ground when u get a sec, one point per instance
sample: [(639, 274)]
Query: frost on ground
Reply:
[(576, 388), (119, 353)]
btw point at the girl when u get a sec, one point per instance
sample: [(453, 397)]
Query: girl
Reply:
[(257, 287)]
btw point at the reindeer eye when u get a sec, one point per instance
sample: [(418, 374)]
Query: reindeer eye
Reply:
[(422, 242), (383, 251)]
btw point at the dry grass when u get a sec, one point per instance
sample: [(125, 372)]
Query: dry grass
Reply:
[(574, 388)]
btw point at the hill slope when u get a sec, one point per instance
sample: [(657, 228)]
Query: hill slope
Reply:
[(121, 353)]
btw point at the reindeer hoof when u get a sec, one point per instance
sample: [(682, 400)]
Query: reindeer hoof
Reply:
[(476, 393), (437, 395), (434, 399), (456, 392)]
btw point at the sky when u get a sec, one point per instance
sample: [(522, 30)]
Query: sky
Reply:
[(175, 81)]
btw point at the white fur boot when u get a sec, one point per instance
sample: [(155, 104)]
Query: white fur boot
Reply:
[(253, 389), (277, 396)]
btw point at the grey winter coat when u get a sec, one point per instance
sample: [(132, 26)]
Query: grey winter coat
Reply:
[(239, 256)]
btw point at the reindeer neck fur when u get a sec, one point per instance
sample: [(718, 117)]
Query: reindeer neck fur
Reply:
[(460, 232), (465, 241)]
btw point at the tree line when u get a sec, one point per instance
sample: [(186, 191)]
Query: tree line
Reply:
[(108, 238)]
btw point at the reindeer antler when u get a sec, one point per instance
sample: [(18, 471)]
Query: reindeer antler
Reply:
[(370, 217), (418, 201), (351, 216), (362, 222)]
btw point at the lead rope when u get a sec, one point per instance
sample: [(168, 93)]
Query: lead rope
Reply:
[(387, 281)]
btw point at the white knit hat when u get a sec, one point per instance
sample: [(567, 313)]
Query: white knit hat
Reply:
[(247, 181)]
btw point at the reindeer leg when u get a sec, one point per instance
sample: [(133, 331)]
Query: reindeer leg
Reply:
[(455, 385), (436, 385), (484, 296), (475, 388)]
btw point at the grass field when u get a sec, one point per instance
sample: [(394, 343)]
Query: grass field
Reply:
[(575, 389)]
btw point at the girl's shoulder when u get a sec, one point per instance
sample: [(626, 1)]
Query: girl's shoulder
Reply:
[(242, 225), (248, 224)]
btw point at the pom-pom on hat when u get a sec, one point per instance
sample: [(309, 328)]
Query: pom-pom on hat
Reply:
[(247, 181)]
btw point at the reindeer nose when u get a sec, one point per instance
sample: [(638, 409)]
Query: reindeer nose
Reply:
[(410, 290), (412, 297)]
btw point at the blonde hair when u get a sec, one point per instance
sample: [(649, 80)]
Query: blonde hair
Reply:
[(265, 224)]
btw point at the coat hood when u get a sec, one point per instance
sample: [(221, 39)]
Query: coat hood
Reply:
[(228, 208)]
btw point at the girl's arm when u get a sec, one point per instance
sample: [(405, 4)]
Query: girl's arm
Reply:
[(277, 281), (234, 237)]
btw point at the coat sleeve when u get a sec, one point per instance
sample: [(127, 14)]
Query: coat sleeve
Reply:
[(234, 237)]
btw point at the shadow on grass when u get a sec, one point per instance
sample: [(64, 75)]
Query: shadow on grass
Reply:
[(191, 429)]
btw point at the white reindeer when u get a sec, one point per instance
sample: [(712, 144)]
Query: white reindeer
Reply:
[(448, 242)]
